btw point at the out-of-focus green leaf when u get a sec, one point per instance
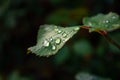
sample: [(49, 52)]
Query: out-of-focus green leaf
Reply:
[(62, 56), (82, 47), (4, 6), (87, 76), (10, 20), (60, 17), (51, 38), (16, 76), (101, 22), (12, 17)]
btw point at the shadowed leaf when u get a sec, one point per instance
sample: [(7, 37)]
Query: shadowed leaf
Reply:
[(102, 22)]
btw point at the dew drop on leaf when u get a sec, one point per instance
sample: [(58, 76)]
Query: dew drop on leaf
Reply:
[(64, 35), (46, 43), (59, 31), (51, 39), (58, 41), (105, 21), (114, 17), (53, 47)]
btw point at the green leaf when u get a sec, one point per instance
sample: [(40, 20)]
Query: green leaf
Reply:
[(51, 38), (102, 22)]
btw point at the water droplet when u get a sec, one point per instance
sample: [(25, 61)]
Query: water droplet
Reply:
[(114, 17), (57, 41), (76, 29), (53, 47), (59, 31), (90, 24), (64, 34), (46, 43), (51, 39), (106, 21)]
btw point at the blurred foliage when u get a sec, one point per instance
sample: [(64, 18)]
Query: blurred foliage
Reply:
[(16, 76), (67, 17), (83, 47), (62, 56), (19, 23), (87, 76)]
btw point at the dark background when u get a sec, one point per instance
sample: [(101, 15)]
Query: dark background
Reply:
[(19, 23)]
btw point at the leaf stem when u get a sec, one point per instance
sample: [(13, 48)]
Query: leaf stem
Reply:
[(106, 36), (109, 39)]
